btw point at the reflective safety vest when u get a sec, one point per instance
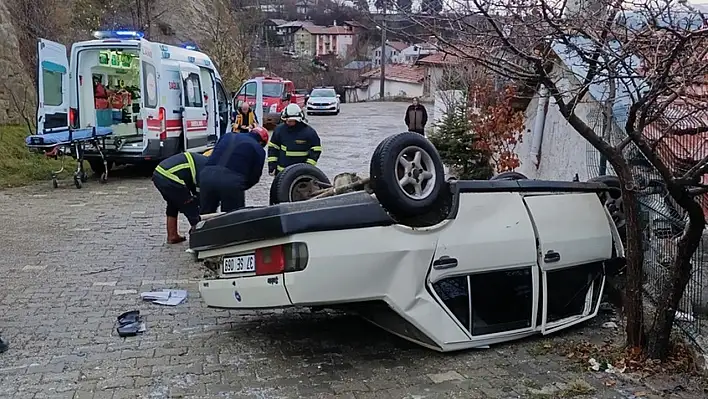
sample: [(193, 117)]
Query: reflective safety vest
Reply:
[(292, 145), (239, 120), (181, 169)]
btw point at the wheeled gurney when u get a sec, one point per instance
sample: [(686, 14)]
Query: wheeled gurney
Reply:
[(72, 141)]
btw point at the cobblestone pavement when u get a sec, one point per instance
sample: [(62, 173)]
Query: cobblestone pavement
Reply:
[(73, 260)]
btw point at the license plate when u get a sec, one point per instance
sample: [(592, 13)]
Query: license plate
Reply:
[(240, 264)]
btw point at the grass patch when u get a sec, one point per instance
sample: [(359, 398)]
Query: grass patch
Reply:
[(19, 166)]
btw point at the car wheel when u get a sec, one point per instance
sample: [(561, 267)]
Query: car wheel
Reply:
[(612, 200), (296, 183), (509, 176), (407, 174)]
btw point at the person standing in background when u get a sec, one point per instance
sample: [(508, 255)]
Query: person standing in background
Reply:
[(416, 117)]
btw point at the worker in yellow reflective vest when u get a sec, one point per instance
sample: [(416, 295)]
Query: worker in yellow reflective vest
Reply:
[(293, 142), (244, 120), (177, 179)]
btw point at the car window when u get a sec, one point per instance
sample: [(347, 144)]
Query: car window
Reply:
[(52, 87), (272, 89), (193, 91), (323, 93), (248, 90), (150, 85)]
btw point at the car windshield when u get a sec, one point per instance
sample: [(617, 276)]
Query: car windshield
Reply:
[(272, 90), (323, 93)]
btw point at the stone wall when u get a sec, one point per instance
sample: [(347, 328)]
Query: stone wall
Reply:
[(15, 83)]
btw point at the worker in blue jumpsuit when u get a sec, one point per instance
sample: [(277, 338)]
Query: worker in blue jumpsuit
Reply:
[(234, 166), (293, 142), (177, 179)]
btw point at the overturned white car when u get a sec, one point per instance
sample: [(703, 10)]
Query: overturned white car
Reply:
[(446, 264)]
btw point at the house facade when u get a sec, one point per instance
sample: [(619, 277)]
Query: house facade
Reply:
[(411, 54), (402, 81), (392, 53), (303, 43), (331, 40)]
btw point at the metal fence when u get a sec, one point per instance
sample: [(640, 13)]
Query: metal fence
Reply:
[(662, 224)]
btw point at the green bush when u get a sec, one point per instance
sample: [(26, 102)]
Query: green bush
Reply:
[(457, 145)]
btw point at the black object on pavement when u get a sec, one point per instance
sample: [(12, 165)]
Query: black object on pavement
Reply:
[(130, 324), (3, 345)]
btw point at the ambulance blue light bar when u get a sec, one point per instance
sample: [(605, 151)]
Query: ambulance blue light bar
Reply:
[(190, 46), (118, 34)]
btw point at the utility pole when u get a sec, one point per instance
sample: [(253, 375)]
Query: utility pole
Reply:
[(383, 53)]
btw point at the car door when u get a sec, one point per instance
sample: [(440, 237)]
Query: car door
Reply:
[(484, 269), (52, 87), (154, 120), (223, 106), (194, 113), (574, 239)]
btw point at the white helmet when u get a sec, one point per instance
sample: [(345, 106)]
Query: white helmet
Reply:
[(293, 111)]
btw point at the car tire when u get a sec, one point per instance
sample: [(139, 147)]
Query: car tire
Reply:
[(285, 182), (511, 175), (613, 201), (426, 180)]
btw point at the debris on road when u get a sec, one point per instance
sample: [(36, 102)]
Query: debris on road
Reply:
[(130, 324), (165, 297)]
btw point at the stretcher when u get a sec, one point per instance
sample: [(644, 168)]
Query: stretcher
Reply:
[(72, 142)]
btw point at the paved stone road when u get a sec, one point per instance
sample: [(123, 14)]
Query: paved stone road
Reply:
[(72, 260)]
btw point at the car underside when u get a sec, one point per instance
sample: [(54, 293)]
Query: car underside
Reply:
[(458, 265)]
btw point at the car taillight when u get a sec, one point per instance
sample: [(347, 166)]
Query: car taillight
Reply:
[(281, 258), (72, 117), (163, 123)]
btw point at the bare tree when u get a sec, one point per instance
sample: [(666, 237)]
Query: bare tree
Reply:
[(647, 60), (230, 38)]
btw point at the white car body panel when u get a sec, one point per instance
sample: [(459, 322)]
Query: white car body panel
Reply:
[(492, 231)]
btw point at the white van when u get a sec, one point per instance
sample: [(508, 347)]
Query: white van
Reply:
[(176, 99)]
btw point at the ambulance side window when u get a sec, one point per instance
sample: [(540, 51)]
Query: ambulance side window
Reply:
[(150, 85), (193, 92)]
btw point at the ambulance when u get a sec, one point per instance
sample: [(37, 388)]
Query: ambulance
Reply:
[(157, 99)]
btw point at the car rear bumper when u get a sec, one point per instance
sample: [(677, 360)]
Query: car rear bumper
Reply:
[(255, 292)]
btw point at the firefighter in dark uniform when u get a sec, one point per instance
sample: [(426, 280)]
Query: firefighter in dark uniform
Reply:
[(293, 142), (234, 166), (177, 179), (244, 120)]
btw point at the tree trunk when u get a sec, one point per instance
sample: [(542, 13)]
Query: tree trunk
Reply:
[(633, 306), (659, 337)]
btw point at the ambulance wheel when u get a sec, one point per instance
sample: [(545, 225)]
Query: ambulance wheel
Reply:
[(407, 175), (296, 183)]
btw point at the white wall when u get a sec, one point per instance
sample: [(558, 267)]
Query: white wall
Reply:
[(564, 152), (394, 89)]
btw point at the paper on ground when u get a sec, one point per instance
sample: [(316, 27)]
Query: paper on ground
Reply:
[(165, 297)]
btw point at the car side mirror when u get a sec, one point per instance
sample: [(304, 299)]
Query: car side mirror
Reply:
[(286, 97), (338, 96)]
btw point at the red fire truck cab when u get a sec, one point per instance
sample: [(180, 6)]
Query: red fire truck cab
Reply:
[(277, 93)]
